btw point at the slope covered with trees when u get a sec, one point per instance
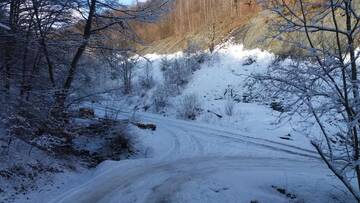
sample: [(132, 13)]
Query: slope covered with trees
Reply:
[(205, 21), (194, 15)]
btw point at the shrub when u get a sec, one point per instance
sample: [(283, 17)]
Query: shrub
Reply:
[(193, 62), (254, 91), (178, 74), (165, 64), (194, 56), (160, 98), (249, 61), (146, 80), (191, 48), (277, 106), (229, 107), (189, 107)]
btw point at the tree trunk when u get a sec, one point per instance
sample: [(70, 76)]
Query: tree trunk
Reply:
[(62, 94), (355, 87), (8, 59)]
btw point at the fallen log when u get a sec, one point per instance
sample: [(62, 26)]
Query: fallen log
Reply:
[(218, 115), (145, 126)]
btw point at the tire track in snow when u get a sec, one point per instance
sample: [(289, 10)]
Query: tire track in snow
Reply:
[(172, 171), (183, 143), (197, 148), (226, 134), (169, 177), (175, 148), (207, 130)]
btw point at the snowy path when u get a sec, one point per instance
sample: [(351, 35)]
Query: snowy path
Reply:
[(202, 130), (191, 162)]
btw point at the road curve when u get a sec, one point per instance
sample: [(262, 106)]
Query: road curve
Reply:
[(200, 163)]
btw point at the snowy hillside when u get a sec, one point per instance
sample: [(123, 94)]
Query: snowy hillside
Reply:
[(220, 156), (221, 84)]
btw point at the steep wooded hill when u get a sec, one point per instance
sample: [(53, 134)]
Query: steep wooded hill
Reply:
[(201, 21), (208, 22)]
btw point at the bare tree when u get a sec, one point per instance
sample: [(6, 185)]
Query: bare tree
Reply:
[(212, 37), (99, 16), (42, 46), (324, 87), (146, 80)]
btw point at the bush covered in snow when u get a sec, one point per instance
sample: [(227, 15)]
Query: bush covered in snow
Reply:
[(165, 63), (194, 61), (194, 56), (146, 80), (254, 91), (189, 107), (229, 107), (177, 74), (160, 98)]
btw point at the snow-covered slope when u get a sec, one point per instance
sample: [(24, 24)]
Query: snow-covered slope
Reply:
[(241, 157), (228, 69)]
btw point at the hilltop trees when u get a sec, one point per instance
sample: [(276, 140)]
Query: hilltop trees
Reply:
[(324, 89), (194, 15)]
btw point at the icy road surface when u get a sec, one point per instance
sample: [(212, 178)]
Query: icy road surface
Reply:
[(191, 162)]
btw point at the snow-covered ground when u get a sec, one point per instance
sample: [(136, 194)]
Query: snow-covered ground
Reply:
[(191, 162), (237, 158)]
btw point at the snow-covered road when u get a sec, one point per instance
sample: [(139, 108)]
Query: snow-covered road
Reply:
[(192, 162)]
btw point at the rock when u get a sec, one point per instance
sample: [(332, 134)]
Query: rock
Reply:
[(146, 126), (86, 113), (285, 138), (249, 61)]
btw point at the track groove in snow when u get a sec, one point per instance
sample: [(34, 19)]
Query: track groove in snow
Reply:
[(194, 162), (139, 185), (204, 129)]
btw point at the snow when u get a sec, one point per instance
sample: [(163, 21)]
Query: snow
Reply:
[(192, 162), (238, 158), (227, 69)]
